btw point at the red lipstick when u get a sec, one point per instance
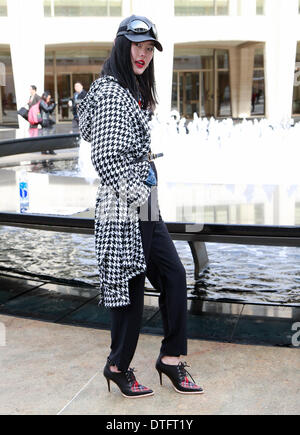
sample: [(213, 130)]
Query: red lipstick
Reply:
[(140, 63)]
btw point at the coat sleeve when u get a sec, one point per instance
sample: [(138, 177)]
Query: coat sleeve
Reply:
[(47, 108), (113, 137)]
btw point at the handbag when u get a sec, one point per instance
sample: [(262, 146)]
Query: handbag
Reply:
[(34, 115), (23, 112)]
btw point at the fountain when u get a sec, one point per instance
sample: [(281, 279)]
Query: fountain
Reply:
[(220, 152)]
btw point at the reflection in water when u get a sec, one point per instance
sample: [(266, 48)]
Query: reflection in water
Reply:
[(56, 188), (49, 193)]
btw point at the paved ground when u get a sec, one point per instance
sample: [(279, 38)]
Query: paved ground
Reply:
[(57, 369)]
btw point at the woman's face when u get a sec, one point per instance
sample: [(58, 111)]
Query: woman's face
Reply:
[(141, 56)]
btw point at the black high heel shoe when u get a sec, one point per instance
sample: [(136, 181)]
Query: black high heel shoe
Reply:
[(178, 376), (127, 383)]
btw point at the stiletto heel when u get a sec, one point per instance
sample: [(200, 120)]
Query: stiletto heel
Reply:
[(160, 377), (108, 384), (178, 375), (127, 382)]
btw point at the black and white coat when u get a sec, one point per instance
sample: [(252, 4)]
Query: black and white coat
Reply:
[(111, 119)]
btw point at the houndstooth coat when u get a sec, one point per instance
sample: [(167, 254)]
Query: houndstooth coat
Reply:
[(111, 119)]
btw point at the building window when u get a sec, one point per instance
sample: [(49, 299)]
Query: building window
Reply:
[(3, 8), (82, 8), (296, 96), (8, 108), (201, 82), (76, 64), (260, 7), (201, 7), (258, 85)]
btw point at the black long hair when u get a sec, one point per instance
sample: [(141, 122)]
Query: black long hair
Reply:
[(45, 95), (119, 66)]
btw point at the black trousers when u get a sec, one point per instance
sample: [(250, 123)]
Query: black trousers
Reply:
[(167, 274)]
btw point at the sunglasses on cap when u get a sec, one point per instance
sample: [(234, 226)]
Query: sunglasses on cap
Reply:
[(138, 27)]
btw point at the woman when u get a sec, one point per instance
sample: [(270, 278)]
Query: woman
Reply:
[(114, 118), (46, 108)]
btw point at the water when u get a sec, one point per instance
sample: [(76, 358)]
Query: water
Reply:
[(247, 274)]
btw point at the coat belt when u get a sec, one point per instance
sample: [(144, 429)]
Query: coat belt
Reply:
[(148, 157)]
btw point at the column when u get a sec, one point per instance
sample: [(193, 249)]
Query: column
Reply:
[(27, 48), (246, 80), (280, 58), (247, 8), (234, 79), (162, 14), (241, 77), (1, 114), (233, 7), (126, 8), (2, 83)]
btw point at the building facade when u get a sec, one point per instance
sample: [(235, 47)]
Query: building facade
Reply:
[(221, 58)]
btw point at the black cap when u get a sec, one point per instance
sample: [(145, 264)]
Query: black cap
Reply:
[(139, 37)]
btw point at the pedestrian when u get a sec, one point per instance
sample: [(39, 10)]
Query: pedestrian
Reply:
[(114, 118), (34, 97), (78, 96), (46, 109)]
